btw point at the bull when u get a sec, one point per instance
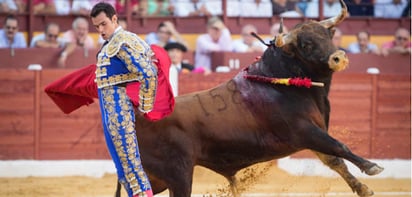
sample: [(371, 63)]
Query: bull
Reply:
[(243, 121)]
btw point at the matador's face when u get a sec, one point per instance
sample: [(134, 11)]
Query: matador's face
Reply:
[(105, 25)]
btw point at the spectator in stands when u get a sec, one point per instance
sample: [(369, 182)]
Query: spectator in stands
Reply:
[(363, 44), (285, 8), (233, 8), (159, 8), (390, 8), (63, 7), (166, 32), (176, 51), (77, 37), (337, 39), (247, 43), (9, 35), (407, 11), (48, 39), (81, 7), (256, 8), (135, 7), (191, 8), (401, 43), (206, 8), (360, 7), (79, 34), (40, 6), (215, 7), (216, 39), (301, 6), (8, 7), (330, 8)]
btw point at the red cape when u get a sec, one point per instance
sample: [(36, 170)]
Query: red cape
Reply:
[(78, 88)]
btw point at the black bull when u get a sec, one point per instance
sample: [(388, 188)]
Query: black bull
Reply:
[(243, 122)]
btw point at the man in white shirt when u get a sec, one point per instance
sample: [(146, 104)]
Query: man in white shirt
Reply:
[(247, 43), (256, 8), (216, 39), (191, 8), (49, 39), (330, 8), (389, 8), (63, 7), (10, 37), (363, 44)]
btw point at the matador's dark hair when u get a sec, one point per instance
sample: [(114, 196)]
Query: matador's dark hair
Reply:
[(107, 8)]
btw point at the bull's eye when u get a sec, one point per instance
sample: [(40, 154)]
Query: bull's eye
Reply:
[(307, 46)]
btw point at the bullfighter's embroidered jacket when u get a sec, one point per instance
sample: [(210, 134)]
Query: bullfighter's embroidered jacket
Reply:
[(127, 58)]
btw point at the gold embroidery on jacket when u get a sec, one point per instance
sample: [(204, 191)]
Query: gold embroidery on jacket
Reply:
[(136, 55)]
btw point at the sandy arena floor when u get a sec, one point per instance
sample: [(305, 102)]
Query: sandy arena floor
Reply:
[(269, 180)]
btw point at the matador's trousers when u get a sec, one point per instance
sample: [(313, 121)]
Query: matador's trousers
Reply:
[(119, 130)]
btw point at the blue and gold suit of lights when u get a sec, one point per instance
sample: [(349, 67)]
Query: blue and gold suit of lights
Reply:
[(125, 58)]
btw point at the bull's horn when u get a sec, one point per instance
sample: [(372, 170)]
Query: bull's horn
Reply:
[(331, 22), (283, 39), (281, 26)]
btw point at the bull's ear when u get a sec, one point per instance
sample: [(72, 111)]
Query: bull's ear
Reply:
[(332, 31)]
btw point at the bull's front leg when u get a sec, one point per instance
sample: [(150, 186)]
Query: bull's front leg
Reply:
[(314, 138), (322, 142), (337, 164)]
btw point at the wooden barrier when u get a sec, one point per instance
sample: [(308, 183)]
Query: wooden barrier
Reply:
[(359, 63), (370, 113)]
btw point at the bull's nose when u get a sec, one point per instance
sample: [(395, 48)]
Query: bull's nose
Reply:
[(338, 61)]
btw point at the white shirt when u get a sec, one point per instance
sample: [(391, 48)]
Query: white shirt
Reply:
[(355, 48), (328, 10), (214, 7), (250, 9), (77, 5), (205, 46), (62, 7), (19, 41), (241, 47), (233, 8), (174, 79), (184, 7), (386, 9)]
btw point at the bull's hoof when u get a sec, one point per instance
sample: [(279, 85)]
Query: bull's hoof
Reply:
[(374, 170), (363, 191)]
